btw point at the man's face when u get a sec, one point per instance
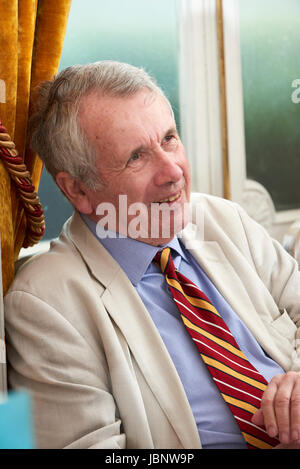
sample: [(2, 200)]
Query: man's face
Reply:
[(140, 158)]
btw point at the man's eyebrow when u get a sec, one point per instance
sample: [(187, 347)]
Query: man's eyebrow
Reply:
[(172, 130), (137, 150)]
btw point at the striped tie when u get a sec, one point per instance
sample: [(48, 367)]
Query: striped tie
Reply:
[(240, 384)]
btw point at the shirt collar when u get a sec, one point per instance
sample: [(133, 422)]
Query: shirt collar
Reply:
[(133, 256)]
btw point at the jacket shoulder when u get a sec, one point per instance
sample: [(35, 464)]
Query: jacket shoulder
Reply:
[(215, 209), (212, 202), (50, 267)]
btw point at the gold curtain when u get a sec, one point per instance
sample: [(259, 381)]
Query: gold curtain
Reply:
[(32, 34)]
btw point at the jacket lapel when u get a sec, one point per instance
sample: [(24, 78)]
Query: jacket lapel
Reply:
[(127, 310)]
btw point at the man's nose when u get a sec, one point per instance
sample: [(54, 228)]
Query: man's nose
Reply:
[(168, 170)]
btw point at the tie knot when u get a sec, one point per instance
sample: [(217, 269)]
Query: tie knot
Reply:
[(164, 260)]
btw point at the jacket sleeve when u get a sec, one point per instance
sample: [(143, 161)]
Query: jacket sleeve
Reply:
[(69, 381)]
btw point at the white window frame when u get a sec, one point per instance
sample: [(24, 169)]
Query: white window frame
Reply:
[(199, 93)]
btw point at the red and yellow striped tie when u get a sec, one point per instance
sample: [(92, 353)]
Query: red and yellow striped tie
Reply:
[(240, 384)]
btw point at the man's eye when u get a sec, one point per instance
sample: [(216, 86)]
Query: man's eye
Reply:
[(134, 157), (170, 140)]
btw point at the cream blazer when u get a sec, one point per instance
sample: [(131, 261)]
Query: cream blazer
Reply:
[(80, 339)]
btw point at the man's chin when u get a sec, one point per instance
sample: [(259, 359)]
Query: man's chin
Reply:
[(166, 233)]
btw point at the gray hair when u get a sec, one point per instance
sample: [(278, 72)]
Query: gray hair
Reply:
[(56, 135)]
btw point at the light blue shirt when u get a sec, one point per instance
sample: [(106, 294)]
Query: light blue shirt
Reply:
[(216, 425)]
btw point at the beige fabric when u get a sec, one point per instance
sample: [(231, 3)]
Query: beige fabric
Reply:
[(80, 338)]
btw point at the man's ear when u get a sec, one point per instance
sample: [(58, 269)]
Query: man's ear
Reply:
[(75, 191)]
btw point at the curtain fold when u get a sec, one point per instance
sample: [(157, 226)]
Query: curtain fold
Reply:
[(32, 34)]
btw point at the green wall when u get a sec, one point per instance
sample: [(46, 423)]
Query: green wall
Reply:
[(270, 48)]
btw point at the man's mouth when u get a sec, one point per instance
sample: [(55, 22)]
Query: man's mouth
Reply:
[(172, 198)]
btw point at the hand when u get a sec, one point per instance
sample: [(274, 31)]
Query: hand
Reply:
[(280, 409), (293, 445)]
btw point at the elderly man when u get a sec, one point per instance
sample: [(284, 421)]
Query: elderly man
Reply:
[(142, 327)]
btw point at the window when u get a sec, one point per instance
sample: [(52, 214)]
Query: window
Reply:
[(270, 36)]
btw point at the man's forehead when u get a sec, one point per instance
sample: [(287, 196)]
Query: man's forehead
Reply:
[(103, 114), (106, 104)]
